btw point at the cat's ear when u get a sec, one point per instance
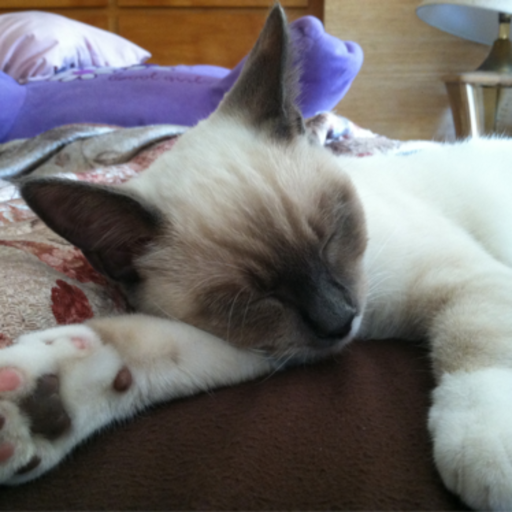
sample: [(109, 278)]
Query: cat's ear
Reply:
[(110, 227), (265, 93)]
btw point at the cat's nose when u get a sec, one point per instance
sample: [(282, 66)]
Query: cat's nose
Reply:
[(338, 331), (330, 326), (332, 331), (327, 307)]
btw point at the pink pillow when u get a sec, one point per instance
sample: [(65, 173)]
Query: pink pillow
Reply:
[(35, 45)]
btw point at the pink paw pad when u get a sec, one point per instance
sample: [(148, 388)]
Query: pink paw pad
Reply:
[(6, 451), (10, 379), (80, 343)]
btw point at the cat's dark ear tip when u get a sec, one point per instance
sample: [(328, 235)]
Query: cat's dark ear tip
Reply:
[(277, 10), (29, 186), (267, 88), (278, 15), (32, 188)]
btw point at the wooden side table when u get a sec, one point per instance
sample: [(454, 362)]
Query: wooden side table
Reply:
[(481, 103)]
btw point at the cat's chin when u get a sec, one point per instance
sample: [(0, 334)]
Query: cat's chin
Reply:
[(304, 355)]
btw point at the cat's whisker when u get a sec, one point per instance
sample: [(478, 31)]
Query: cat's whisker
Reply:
[(375, 288), (282, 360), (372, 257), (231, 312), (375, 284), (200, 285), (165, 314), (248, 303), (258, 351)]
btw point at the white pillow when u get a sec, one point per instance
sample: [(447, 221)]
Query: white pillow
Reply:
[(35, 45)]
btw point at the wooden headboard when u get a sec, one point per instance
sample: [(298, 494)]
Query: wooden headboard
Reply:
[(217, 32)]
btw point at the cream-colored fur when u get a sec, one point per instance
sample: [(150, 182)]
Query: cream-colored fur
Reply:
[(437, 265), (420, 246)]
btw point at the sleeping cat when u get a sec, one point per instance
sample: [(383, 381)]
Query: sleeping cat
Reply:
[(260, 248)]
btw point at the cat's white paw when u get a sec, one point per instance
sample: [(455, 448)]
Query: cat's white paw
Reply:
[(56, 387), (471, 424)]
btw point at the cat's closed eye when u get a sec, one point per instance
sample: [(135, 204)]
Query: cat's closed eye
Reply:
[(262, 284)]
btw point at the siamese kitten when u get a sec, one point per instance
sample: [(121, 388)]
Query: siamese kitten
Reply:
[(249, 245)]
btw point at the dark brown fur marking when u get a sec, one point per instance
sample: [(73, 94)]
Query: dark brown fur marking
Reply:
[(45, 409)]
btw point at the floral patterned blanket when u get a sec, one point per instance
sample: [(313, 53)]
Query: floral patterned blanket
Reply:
[(46, 281)]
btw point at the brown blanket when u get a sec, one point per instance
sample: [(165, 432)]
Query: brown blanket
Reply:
[(345, 434)]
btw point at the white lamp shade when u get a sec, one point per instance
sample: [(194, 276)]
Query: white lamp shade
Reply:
[(476, 20)]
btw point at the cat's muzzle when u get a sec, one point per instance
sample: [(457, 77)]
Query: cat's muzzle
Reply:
[(321, 349)]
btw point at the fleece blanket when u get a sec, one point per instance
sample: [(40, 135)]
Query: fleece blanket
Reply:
[(348, 433)]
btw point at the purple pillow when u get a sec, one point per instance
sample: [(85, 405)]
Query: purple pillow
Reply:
[(150, 94)]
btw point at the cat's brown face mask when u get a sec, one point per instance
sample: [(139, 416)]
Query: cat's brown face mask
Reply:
[(246, 229)]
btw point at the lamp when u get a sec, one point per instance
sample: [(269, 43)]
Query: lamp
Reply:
[(482, 21), (481, 101)]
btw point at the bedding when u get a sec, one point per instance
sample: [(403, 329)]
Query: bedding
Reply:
[(141, 95), (35, 45), (348, 433)]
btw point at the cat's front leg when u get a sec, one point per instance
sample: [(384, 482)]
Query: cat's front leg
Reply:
[(60, 385), (471, 414), (471, 424)]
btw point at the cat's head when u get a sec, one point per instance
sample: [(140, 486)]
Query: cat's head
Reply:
[(246, 229)]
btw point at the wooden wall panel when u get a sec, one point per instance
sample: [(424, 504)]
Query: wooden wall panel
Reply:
[(217, 32), (97, 20), (211, 3), (191, 37), (399, 92), (48, 4), (217, 37)]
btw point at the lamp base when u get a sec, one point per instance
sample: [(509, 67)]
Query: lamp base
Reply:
[(481, 103), (499, 59)]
